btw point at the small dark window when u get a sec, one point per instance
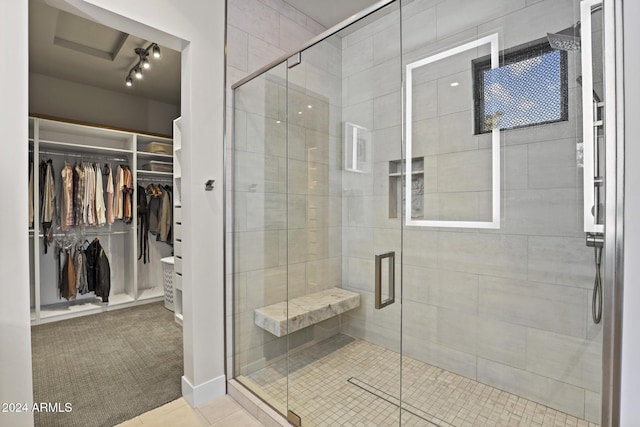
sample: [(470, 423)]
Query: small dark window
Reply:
[(529, 88)]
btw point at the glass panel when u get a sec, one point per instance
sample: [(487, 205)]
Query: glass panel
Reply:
[(259, 236), (497, 326), (344, 105)]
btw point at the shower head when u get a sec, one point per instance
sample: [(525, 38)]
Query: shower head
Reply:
[(567, 39)]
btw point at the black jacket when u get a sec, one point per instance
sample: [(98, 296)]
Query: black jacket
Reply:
[(98, 270)]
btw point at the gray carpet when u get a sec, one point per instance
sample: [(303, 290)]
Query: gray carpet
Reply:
[(111, 366)]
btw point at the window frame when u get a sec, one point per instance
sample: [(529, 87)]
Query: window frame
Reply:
[(510, 56)]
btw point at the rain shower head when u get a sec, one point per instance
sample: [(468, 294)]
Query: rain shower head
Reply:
[(567, 39)]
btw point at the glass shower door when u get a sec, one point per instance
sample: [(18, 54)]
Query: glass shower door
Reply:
[(343, 153)]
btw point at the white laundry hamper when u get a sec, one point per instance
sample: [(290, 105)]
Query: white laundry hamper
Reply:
[(167, 270)]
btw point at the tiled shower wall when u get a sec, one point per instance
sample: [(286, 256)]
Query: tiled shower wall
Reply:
[(280, 250), (508, 307)]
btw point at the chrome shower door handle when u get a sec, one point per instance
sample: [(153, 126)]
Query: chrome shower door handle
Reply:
[(391, 281)]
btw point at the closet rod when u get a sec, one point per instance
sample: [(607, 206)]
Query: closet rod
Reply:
[(84, 156), (95, 233), (154, 180)]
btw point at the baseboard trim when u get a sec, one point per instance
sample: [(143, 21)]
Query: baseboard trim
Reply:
[(197, 396)]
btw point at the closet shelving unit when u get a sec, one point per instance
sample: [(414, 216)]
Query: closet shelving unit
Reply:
[(132, 282), (177, 219)]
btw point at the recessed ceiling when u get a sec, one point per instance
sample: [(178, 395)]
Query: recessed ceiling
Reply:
[(68, 47), (330, 12)]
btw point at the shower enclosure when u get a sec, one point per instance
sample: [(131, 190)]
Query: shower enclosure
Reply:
[(411, 194)]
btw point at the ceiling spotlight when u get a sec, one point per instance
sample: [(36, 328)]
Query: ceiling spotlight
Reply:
[(143, 62), (454, 84), (309, 106)]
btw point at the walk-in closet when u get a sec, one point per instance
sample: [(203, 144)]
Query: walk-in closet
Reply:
[(104, 217)]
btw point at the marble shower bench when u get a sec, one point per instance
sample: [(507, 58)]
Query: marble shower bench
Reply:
[(305, 311)]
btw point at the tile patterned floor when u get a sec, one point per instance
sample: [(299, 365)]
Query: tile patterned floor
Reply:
[(349, 382), (222, 412)]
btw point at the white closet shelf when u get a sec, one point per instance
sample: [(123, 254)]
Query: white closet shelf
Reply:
[(157, 292), (154, 173), (71, 309), (64, 147), (148, 154)]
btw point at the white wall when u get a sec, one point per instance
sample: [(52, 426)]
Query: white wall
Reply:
[(196, 28), (76, 101), (630, 410), (15, 332)]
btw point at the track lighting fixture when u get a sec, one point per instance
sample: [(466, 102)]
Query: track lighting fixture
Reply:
[(143, 62)]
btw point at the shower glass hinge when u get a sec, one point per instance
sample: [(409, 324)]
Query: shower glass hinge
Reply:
[(595, 240), (293, 418)]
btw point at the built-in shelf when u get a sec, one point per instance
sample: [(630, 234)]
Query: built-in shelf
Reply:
[(80, 148), (132, 281), (157, 292), (154, 173), (412, 173), (157, 155)]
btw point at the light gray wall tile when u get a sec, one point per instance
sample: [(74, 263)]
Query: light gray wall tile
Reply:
[(566, 397), (255, 18), (357, 57), (497, 255), (553, 164), (236, 48), (452, 360), (358, 242), (461, 206), (561, 260), (387, 144), (260, 53), (537, 305), (465, 171), (502, 342), (360, 274), (386, 44), (419, 28), (387, 111), (360, 114), (292, 35), (515, 167), (456, 330), (257, 173), (424, 100), (456, 132), (373, 82), (453, 99), (420, 247), (425, 137), (592, 406), (266, 211), (555, 212), (457, 15), (571, 360), (531, 23)]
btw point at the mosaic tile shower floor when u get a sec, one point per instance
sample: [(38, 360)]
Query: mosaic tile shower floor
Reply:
[(350, 382)]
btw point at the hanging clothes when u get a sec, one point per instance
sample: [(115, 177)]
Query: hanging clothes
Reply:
[(119, 194), (80, 193), (101, 210), (80, 266), (66, 219), (128, 195), (48, 203), (166, 216), (98, 270), (68, 280), (143, 224), (155, 203), (110, 214)]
